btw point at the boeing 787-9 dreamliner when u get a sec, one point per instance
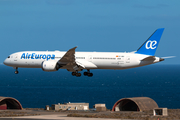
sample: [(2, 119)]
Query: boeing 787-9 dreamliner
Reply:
[(77, 61)]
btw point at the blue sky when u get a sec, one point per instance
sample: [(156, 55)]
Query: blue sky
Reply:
[(92, 25)]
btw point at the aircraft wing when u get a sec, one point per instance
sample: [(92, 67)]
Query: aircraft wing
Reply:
[(69, 56), (68, 60)]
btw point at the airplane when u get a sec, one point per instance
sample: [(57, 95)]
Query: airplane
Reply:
[(77, 61)]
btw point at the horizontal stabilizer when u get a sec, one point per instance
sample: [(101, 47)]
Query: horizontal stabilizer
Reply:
[(150, 58), (168, 57)]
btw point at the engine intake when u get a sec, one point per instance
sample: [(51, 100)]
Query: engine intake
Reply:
[(50, 66)]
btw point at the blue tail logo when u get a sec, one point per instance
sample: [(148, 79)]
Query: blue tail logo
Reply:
[(151, 44)]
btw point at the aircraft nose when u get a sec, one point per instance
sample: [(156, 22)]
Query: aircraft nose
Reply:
[(5, 62)]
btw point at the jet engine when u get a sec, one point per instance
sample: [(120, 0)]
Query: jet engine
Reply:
[(50, 66)]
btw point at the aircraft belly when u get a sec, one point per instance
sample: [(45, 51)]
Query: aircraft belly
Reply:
[(86, 64), (108, 64), (29, 63)]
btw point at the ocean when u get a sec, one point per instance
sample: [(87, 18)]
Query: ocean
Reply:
[(35, 88)]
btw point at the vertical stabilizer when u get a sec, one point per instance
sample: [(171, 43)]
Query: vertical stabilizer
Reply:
[(149, 47)]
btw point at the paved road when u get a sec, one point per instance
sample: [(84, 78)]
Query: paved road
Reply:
[(53, 117), (46, 115)]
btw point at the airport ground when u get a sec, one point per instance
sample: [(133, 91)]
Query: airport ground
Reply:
[(31, 114)]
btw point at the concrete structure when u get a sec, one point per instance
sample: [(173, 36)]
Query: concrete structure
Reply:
[(71, 106), (9, 103), (135, 104), (160, 111), (100, 107), (47, 107)]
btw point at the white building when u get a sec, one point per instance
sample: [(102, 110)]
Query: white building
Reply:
[(71, 106)]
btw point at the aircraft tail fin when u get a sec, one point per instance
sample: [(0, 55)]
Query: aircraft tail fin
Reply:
[(150, 45)]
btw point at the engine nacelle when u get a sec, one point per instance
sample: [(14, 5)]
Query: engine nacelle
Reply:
[(50, 66)]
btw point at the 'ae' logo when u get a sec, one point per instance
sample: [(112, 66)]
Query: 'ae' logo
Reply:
[(151, 44)]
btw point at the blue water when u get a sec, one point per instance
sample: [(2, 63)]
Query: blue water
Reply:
[(35, 88)]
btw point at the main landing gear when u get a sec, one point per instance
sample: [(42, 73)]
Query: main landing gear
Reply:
[(76, 74), (16, 72), (85, 74), (88, 73)]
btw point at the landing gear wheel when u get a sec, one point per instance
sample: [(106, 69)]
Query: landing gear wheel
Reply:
[(16, 72), (73, 73), (85, 73), (78, 74), (90, 74)]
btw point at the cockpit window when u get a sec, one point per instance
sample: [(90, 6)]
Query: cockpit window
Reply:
[(8, 56)]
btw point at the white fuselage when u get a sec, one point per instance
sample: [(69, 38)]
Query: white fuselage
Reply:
[(77, 61), (89, 60)]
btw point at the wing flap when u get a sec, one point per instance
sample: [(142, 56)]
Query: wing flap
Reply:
[(86, 64)]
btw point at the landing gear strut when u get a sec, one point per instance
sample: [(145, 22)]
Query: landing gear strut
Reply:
[(88, 73), (16, 72)]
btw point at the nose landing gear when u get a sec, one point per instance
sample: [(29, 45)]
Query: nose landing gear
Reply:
[(16, 72)]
